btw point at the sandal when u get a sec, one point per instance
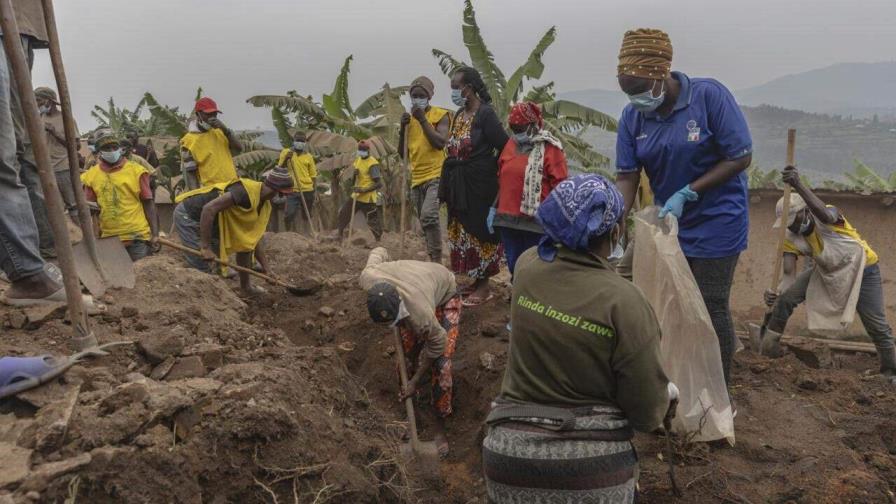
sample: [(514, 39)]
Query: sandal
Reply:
[(18, 374)]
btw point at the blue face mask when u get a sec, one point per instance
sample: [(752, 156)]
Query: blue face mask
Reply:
[(111, 157), (522, 138), (457, 98), (363, 154), (421, 103), (299, 146), (646, 102)]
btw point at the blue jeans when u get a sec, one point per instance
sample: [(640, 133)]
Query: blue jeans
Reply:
[(870, 306), (188, 230), (515, 243), (19, 257)]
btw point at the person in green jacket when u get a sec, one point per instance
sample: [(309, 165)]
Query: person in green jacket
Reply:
[(584, 367)]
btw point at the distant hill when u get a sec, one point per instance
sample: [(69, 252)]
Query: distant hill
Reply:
[(860, 90), (826, 145)]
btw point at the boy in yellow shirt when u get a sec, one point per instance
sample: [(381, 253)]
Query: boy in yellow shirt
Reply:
[(367, 181), (120, 188), (300, 164)]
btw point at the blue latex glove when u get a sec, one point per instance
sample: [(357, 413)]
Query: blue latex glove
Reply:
[(675, 204), (490, 220)]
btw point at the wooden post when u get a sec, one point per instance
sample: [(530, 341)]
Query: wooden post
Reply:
[(83, 337), (71, 135), (403, 184)]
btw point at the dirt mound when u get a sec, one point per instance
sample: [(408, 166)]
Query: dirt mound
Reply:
[(230, 401)]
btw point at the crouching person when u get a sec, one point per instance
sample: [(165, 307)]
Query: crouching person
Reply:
[(843, 280), (420, 298), (230, 217), (121, 190), (584, 366)]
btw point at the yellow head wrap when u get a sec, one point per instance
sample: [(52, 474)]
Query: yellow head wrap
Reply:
[(645, 53)]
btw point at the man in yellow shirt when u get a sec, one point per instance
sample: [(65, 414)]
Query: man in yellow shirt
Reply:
[(821, 232), (366, 182), (427, 128), (120, 188), (208, 148), (230, 218), (300, 164)]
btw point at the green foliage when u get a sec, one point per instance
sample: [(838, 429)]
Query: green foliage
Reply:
[(566, 120)]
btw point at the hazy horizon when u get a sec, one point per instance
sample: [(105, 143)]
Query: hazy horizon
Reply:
[(238, 49)]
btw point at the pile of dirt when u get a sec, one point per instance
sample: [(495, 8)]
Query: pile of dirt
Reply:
[(225, 400), (206, 407)]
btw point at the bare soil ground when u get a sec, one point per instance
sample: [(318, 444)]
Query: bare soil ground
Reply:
[(287, 399)]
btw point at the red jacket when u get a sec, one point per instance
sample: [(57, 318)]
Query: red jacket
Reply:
[(512, 171)]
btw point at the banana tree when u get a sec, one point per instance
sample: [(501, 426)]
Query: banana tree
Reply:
[(334, 127), (866, 179), (565, 119)]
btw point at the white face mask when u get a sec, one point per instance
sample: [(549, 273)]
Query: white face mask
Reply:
[(44, 110), (299, 146), (363, 154)]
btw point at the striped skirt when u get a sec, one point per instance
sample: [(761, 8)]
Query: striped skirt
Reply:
[(594, 463)]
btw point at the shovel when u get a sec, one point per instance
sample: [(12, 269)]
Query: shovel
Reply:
[(294, 290), (117, 268), (757, 336), (423, 457)]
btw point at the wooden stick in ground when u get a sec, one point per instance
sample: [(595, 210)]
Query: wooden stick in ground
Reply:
[(403, 188), (351, 221), (71, 135), (83, 338), (307, 215)]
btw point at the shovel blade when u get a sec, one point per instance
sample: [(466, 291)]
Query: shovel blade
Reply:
[(88, 272), (118, 269), (422, 461)]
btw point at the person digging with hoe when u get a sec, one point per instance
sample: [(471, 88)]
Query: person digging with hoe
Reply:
[(227, 218), (844, 279), (584, 368), (421, 300)]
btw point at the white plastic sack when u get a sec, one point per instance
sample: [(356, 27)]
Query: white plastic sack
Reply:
[(690, 348)]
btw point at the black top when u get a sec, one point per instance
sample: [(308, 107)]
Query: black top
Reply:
[(193, 205)]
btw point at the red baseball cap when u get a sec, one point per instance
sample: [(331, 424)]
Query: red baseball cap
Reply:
[(206, 105)]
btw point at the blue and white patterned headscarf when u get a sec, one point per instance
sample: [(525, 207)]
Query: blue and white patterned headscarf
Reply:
[(578, 209)]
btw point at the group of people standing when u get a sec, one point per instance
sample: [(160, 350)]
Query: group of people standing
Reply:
[(584, 368)]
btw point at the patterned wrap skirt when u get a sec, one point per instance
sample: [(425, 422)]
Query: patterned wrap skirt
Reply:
[(470, 256), (593, 462), (441, 378)]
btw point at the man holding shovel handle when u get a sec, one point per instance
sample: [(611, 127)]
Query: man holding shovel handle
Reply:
[(844, 279)]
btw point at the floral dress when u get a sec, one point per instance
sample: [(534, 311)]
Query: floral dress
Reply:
[(478, 138)]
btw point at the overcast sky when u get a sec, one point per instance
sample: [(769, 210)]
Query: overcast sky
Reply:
[(236, 49)]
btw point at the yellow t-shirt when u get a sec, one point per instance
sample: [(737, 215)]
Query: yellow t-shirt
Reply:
[(363, 179), (302, 169), (426, 161), (211, 151), (845, 229), (118, 196)]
